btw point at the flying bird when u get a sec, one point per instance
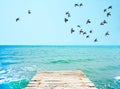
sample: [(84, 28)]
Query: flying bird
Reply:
[(95, 40), (72, 30), (87, 36), (84, 33), (104, 21), (67, 13), (101, 23), (88, 21), (90, 31), (107, 33), (76, 5), (108, 14), (17, 19), (110, 7), (81, 4), (65, 20), (81, 31), (29, 12), (105, 10), (78, 26)]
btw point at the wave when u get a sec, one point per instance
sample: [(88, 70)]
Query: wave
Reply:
[(117, 78), (60, 61), (68, 61), (18, 84)]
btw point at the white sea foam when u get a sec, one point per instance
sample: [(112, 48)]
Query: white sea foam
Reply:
[(2, 79), (117, 78), (2, 71)]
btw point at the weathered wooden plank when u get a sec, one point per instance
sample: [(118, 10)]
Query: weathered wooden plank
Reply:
[(60, 80)]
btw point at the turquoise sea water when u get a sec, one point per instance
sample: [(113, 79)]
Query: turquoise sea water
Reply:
[(18, 64)]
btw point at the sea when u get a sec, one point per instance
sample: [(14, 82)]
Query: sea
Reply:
[(19, 63)]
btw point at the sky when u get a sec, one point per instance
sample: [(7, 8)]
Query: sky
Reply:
[(46, 26)]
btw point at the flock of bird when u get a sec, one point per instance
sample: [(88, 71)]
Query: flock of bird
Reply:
[(88, 22), (17, 19)]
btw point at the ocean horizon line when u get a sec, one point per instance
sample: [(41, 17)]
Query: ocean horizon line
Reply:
[(59, 45)]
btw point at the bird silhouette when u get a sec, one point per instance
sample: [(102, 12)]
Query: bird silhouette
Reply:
[(81, 4), (81, 31), (110, 7), (105, 10), (72, 30), (29, 12), (95, 40), (104, 21), (17, 19), (90, 31), (65, 20), (88, 21), (101, 23), (76, 5), (108, 14), (67, 13), (87, 36), (107, 33), (78, 26), (84, 33)]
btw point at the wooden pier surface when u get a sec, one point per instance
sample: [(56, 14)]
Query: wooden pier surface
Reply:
[(60, 80)]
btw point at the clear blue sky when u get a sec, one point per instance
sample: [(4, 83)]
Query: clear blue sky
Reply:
[(45, 25)]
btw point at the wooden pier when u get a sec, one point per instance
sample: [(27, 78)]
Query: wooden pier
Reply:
[(60, 80)]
